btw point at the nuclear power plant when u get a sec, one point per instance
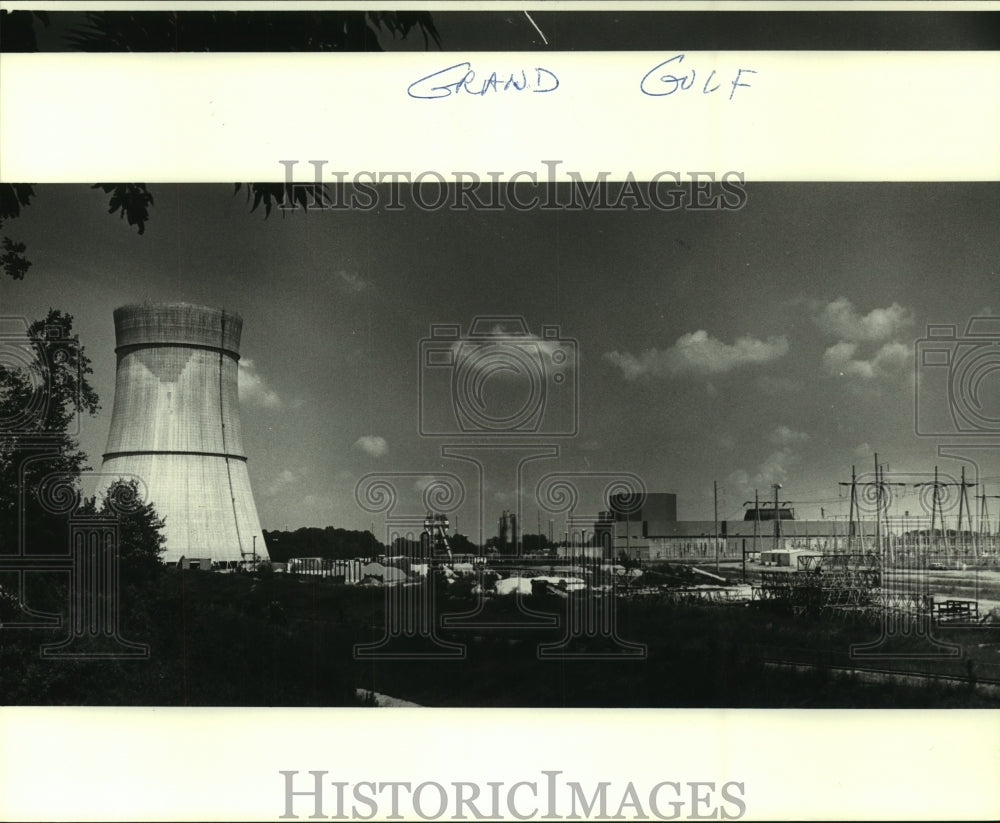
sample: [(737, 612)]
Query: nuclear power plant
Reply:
[(176, 424)]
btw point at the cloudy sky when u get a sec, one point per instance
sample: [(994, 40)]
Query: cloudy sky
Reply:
[(774, 343)]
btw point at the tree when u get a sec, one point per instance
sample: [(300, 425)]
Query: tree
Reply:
[(141, 542), (329, 543), (17, 30), (460, 544), (44, 391), (246, 31), (12, 197)]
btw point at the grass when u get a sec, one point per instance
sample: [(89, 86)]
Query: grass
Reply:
[(234, 640)]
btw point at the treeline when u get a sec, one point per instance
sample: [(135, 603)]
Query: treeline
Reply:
[(459, 544), (329, 543), (344, 544)]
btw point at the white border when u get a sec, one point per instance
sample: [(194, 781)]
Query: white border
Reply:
[(85, 763), (170, 764), (219, 117)]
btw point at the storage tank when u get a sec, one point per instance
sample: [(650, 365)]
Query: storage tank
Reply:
[(176, 424)]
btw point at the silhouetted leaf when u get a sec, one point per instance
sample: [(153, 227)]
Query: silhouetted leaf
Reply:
[(130, 200), (247, 31), (17, 30), (15, 264), (280, 195), (12, 197)]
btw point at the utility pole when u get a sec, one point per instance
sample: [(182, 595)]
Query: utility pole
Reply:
[(984, 515), (756, 532), (777, 516), (756, 523), (853, 507), (937, 505), (628, 544), (882, 507), (963, 499), (878, 508), (715, 496)]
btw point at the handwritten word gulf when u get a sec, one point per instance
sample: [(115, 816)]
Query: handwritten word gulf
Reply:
[(662, 80), (462, 78)]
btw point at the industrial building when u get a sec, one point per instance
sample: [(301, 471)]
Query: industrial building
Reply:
[(645, 527), (176, 425)]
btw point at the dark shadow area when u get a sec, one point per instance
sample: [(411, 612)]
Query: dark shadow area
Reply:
[(509, 30)]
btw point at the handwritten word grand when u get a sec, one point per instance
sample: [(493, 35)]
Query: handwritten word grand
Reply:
[(462, 78), (660, 81)]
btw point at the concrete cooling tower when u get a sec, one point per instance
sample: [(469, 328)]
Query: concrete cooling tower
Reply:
[(176, 424)]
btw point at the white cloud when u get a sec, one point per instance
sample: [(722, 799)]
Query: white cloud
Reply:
[(698, 354), (840, 361), (253, 389), (773, 469), (727, 442), (285, 478), (373, 445), (784, 436), (353, 282), (421, 483), (503, 352), (776, 466), (841, 320)]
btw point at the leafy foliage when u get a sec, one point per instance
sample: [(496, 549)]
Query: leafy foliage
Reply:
[(130, 200), (214, 640), (276, 194), (46, 396), (15, 264), (141, 542), (328, 543), (12, 197), (17, 30), (242, 31)]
